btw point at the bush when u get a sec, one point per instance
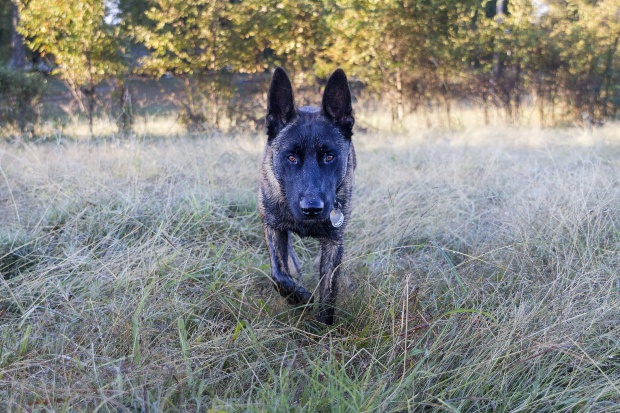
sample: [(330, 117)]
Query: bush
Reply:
[(20, 94)]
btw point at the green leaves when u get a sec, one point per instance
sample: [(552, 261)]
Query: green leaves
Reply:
[(20, 94), (424, 52), (197, 36), (75, 35)]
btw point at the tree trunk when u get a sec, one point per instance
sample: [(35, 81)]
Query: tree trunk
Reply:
[(446, 99), (516, 91), (400, 109), (540, 99), (485, 99), (608, 76), (496, 71), (500, 7), (91, 96), (126, 117), (427, 116), (18, 51)]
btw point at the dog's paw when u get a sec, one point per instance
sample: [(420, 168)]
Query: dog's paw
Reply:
[(326, 316), (300, 296), (294, 294)]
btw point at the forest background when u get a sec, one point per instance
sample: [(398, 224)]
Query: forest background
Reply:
[(207, 63)]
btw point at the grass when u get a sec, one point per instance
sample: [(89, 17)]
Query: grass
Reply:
[(481, 274)]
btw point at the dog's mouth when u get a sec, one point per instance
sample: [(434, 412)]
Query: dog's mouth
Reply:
[(322, 213), (312, 219)]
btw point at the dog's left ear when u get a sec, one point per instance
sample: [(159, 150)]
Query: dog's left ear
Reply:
[(337, 103)]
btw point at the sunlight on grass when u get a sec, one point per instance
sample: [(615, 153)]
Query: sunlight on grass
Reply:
[(481, 274)]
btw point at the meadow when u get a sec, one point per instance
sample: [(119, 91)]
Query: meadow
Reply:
[(482, 274)]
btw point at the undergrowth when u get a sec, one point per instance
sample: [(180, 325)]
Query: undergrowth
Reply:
[(481, 274)]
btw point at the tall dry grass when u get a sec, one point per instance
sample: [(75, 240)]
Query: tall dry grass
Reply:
[(482, 274)]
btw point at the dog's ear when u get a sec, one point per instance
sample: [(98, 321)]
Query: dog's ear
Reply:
[(337, 103), (280, 104)]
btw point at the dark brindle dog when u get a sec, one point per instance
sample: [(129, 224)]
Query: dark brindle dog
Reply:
[(306, 180)]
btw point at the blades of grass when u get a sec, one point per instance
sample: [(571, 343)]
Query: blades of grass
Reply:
[(23, 345), (185, 348), (238, 329), (453, 270), (469, 310), (135, 330), (449, 406)]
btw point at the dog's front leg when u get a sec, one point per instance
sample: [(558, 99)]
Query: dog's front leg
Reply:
[(278, 244), (293, 262), (331, 257)]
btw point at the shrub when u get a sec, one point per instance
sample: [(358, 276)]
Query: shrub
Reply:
[(20, 94)]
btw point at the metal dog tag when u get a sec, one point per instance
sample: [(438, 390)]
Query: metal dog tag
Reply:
[(336, 216)]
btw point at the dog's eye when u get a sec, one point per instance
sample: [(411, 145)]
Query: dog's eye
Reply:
[(292, 159), (329, 158)]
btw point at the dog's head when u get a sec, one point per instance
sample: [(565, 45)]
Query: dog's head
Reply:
[(310, 145)]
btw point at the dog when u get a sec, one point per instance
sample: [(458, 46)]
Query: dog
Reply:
[(305, 185)]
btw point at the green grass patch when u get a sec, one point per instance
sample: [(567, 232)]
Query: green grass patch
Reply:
[(481, 274)]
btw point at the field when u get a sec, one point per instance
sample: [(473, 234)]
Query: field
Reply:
[(482, 274)]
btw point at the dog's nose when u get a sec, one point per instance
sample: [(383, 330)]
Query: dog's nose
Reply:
[(311, 207)]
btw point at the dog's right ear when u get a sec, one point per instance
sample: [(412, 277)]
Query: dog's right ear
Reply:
[(280, 104)]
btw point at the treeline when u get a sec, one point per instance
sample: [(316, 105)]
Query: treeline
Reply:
[(558, 56)]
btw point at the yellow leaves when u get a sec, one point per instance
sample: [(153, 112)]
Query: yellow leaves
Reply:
[(74, 32)]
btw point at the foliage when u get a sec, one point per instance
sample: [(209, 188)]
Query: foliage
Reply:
[(566, 53), (5, 30), (85, 49), (20, 94), (590, 66), (132, 12), (187, 38), (413, 55), (208, 41)]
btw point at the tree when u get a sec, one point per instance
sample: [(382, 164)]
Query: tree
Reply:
[(188, 39), (292, 33), (361, 40), (205, 42), (18, 51), (400, 49), (5, 30), (588, 34), (407, 53), (83, 46), (20, 94)]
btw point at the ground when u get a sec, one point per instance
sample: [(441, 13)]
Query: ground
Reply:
[(481, 274)]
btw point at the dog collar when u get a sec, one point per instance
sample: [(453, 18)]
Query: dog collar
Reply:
[(336, 216)]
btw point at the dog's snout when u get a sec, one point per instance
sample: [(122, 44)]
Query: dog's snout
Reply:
[(311, 207)]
